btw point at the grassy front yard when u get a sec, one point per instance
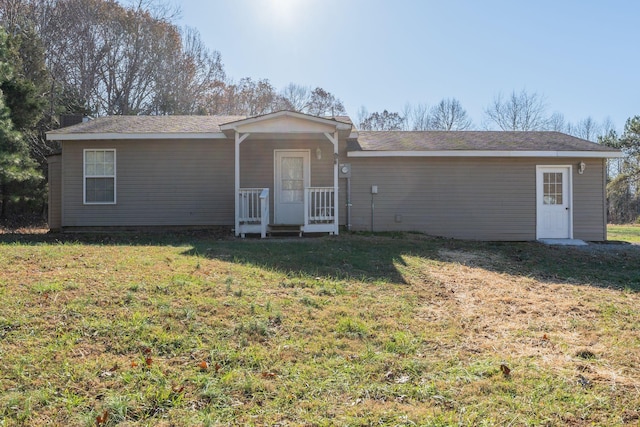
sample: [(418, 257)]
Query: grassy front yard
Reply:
[(626, 233), (355, 330)]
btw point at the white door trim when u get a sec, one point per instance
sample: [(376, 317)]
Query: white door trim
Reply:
[(306, 176), (568, 169)]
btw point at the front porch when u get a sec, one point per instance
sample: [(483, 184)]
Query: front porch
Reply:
[(254, 217), (286, 173)]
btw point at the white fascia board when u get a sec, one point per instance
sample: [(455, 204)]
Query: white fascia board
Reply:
[(471, 153), (234, 125), (116, 136)]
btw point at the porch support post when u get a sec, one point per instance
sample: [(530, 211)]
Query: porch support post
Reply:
[(336, 213), (238, 139)]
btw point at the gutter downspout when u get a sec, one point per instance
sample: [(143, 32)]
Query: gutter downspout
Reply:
[(349, 203)]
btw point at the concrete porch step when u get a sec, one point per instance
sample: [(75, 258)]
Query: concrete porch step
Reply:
[(284, 230)]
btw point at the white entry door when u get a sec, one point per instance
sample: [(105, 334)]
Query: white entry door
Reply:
[(292, 176), (554, 199)]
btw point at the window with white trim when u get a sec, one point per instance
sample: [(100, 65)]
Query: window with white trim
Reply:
[(100, 176)]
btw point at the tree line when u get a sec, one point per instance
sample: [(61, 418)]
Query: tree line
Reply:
[(518, 111), (103, 57)]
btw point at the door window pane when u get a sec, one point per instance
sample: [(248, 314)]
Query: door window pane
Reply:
[(292, 180), (552, 187)]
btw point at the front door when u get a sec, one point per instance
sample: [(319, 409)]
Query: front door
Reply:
[(554, 217), (291, 169)]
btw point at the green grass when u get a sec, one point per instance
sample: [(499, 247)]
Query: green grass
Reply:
[(626, 233), (355, 330)]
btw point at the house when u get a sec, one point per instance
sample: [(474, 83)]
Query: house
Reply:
[(297, 172)]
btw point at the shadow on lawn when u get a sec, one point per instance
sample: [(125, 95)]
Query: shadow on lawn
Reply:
[(377, 257)]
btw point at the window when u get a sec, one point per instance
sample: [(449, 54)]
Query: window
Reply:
[(552, 188), (292, 180), (99, 176)]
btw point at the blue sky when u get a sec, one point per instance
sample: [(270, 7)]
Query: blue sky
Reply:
[(582, 56)]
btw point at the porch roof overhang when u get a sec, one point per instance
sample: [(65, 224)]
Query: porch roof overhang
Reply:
[(286, 125)]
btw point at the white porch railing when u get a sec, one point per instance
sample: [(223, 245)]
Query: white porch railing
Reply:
[(319, 213), (253, 211)]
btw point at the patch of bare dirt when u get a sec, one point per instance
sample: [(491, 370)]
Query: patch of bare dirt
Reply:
[(521, 317)]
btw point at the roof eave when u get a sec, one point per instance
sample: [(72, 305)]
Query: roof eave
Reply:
[(128, 136), (486, 153)]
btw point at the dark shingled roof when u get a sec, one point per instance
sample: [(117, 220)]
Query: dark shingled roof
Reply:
[(150, 124), (367, 140), (471, 141), (158, 124)]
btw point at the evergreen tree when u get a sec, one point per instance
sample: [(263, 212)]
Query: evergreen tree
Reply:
[(19, 176), (623, 191)]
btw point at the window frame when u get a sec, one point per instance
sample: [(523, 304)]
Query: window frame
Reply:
[(85, 176)]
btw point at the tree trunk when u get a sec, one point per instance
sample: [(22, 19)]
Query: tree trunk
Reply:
[(4, 198)]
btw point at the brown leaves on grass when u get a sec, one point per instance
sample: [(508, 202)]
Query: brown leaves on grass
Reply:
[(102, 419), (109, 372), (505, 370), (204, 365)]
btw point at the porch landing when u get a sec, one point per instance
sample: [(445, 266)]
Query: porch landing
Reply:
[(563, 242)]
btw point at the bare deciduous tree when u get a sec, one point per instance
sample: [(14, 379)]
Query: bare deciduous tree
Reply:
[(296, 97), (518, 111), (557, 123), (586, 129), (383, 121), (448, 114), (121, 59), (419, 118), (323, 103)]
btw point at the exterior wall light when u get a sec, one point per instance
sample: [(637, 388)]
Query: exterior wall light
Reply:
[(581, 167), (318, 153)]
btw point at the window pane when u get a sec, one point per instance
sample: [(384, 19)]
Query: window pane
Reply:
[(100, 190), (292, 167), (290, 184), (100, 163), (292, 181), (109, 157), (292, 196)]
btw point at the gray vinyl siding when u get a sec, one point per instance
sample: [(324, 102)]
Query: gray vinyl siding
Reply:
[(55, 191), (589, 215), (191, 183), (158, 183), (466, 198)]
